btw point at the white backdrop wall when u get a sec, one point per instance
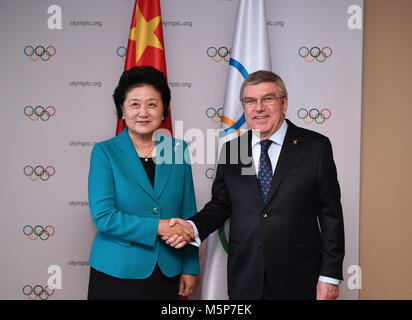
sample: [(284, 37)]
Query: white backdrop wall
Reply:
[(75, 84)]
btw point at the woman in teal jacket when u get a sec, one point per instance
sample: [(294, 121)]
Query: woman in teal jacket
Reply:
[(137, 182)]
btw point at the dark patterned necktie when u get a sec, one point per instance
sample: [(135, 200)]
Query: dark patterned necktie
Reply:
[(265, 169)]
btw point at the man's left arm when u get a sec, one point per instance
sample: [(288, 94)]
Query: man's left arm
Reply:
[(331, 224)]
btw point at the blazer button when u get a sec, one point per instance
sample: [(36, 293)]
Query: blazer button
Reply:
[(155, 211), (265, 215)]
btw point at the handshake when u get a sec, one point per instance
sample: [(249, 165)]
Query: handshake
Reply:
[(176, 232)]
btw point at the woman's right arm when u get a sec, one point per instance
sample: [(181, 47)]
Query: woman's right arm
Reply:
[(107, 218)]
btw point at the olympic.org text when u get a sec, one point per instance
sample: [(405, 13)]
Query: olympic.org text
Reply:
[(86, 23), (77, 263), (177, 24), (73, 203), (85, 84), (82, 143), (276, 23), (180, 84)]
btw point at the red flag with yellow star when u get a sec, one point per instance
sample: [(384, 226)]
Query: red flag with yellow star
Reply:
[(146, 46)]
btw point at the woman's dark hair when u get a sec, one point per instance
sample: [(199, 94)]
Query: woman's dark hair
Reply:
[(140, 76)]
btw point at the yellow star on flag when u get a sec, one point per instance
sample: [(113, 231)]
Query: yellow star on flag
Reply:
[(143, 33)]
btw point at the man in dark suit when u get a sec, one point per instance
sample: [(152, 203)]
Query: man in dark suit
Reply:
[(278, 185)]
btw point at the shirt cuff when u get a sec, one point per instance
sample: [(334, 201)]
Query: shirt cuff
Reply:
[(334, 281), (197, 241)]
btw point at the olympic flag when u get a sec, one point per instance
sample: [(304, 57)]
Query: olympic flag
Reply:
[(250, 52), (146, 46)]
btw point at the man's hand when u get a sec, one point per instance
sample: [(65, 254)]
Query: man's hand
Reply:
[(187, 284), (167, 230), (326, 291), (176, 240)]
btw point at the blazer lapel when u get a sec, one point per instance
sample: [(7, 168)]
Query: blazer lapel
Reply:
[(132, 163), (164, 160), (290, 149)]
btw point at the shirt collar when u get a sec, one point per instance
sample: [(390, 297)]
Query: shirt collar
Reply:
[(276, 137)]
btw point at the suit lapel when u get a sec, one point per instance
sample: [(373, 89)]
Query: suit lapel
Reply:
[(132, 162), (290, 149), (247, 168), (253, 186)]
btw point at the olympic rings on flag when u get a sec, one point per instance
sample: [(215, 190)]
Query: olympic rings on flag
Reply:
[(223, 53), (39, 172), (210, 173), (39, 112), (214, 114), (121, 52), (315, 53), (314, 114), (37, 292), (38, 231), (39, 52)]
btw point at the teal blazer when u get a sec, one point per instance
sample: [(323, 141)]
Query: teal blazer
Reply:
[(126, 208)]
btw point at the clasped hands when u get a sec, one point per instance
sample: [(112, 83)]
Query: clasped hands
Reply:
[(176, 232)]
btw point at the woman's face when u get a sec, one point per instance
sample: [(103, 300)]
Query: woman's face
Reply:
[(143, 110)]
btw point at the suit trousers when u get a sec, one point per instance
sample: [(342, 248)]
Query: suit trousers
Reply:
[(266, 292)]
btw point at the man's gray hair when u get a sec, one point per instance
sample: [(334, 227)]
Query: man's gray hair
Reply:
[(261, 76)]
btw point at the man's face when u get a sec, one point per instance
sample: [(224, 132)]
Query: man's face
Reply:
[(264, 119)]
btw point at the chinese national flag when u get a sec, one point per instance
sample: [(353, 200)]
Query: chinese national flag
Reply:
[(146, 46)]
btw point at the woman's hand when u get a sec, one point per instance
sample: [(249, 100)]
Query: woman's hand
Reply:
[(166, 231), (187, 284), (177, 241)]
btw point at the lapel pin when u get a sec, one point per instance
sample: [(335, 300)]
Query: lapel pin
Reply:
[(295, 141)]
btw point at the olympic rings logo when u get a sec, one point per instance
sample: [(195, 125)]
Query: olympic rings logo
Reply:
[(39, 172), (39, 52), (214, 114), (39, 112), (314, 115), (38, 231), (121, 52), (222, 53), (210, 173), (37, 292), (315, 53)]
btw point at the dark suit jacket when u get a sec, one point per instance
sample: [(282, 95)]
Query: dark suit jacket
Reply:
[(296, 235)]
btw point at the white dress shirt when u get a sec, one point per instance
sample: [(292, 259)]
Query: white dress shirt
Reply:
[(274, 149)]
